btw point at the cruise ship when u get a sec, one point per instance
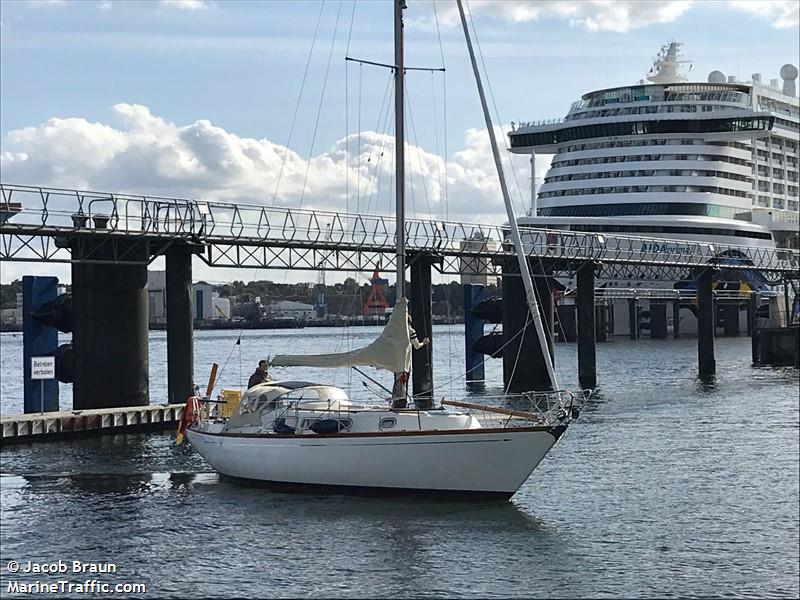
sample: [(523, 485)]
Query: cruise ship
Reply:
[(713, 161)]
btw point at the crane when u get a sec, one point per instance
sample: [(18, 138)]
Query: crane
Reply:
[(376, 303)]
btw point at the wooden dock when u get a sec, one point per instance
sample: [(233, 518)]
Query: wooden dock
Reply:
[(59, 425)]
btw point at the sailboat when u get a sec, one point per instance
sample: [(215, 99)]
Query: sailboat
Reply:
[(302, 435)]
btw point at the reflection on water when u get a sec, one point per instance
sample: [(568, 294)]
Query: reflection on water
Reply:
[(660, 488)]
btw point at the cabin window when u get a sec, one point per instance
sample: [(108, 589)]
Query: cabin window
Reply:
[(387, 423)]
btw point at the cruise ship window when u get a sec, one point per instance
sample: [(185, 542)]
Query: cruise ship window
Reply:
[(777, 202)]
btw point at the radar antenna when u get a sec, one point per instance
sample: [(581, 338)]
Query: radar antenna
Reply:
[(666, 66)]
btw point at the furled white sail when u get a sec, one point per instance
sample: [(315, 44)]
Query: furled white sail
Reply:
[(390, 351)]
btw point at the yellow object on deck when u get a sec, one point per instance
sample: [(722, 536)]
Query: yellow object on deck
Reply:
[(231, 398)]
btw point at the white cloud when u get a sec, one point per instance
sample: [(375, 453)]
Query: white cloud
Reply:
[(186, 4), (143, 153), (105, 5), (781, 14), (592, 15)]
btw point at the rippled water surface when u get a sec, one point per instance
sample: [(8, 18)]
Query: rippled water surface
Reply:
[(663, 487)]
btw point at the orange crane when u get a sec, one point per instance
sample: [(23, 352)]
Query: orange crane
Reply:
[(376, 303)]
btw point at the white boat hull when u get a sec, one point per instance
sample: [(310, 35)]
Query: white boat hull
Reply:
[(483, 462)]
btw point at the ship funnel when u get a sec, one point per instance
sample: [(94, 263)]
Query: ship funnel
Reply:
[(756, 78), (789, 74), (731, 79)]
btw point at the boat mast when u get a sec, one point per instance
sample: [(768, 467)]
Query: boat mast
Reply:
[(399, 148), (512, 220), (533, 210)]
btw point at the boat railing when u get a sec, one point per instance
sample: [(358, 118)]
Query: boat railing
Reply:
[(512, 410)]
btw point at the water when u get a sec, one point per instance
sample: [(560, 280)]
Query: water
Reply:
[(663, 487)]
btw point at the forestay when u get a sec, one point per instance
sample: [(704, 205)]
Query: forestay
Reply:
[(390, 351)]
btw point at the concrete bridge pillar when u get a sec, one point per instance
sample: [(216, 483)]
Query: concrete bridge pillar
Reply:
[(658, 320), (676, 319), (421, 312), (180, 346), (523, 362), (473, 329), (706, 364), (110, 333), (587, 355), (730, 319)]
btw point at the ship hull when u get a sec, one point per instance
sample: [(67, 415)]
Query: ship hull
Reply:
[(478, 464)]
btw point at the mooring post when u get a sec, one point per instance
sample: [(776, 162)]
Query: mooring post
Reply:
[(658, 320), (587, 352), (180, 340), (110, 305), (676, 319), (524, 367), (752, 329), (421, 316), (473, 329), (39, 339), (730, 319), (705, 324), (633, 318), (601, 312), (566, 320)]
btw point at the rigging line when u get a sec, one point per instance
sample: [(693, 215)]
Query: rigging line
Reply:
[(350, 32), (299, 99), (376, 177), (358, 149), (446, 161), (409, 171), (419, 155), (494, 104), (519, 352), (556, 316), (502, 347), (347, 115), (238, 342), (436, 144), (346, 141), (383, 133), (319, 109), (377, 132), (444, 101)]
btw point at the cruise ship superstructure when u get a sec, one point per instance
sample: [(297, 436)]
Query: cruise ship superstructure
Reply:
[(714, 161)]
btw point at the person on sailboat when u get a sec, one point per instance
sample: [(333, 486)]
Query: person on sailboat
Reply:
[(400, 388), (260, 375)]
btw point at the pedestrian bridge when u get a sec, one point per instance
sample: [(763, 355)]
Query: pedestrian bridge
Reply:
[(65, 225)]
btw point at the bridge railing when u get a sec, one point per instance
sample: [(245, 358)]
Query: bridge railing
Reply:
[(53, 211)]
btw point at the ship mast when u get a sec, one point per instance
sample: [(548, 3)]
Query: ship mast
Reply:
[(512, 220), (399, 148)]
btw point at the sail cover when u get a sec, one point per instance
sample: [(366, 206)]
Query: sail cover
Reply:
[(390, 351)]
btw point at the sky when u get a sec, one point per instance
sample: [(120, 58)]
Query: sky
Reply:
[(208, 99)]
